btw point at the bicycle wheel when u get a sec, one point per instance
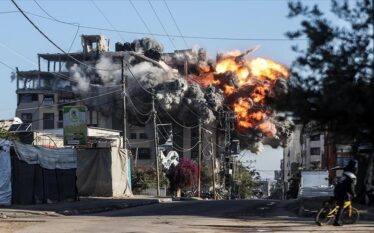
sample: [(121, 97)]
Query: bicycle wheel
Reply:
[(350, 218), (322, 217)]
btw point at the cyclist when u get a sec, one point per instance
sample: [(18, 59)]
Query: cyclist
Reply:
[(345, 189)]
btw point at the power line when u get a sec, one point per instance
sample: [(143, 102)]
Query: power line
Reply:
[(51, 41), (61, 76), (18, 54), (41, 8), (41, 32), (162, 25), (107, 19), (75, 37), (137, 110), (6, 65), (141, 18), (179, 148), (137, 81), (77, 24), (75, 101), (176, 122), (163, 35), (176, 25)]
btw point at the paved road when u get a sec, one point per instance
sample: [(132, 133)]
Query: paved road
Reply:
[(191, 216)]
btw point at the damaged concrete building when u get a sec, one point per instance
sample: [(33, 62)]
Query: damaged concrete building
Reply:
[(92, 78)]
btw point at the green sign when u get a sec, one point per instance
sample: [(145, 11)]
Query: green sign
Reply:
[(75, 128)]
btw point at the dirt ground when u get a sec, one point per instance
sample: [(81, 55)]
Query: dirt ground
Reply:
[(10, 226)]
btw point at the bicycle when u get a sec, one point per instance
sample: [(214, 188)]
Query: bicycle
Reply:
[(326, 214)]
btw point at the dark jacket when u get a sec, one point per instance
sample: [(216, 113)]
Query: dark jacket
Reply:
[(345, 187)]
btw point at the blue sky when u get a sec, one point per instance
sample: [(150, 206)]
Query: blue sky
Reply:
[(254, 20)]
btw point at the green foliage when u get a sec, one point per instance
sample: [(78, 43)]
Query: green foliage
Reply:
[(332, 79), (276, 191), (6, 135), (245, 180), (144, 179)]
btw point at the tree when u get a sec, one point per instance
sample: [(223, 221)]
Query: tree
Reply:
[(245, 181), (145, 179), (183, 175), (332, 80), (4, 134)]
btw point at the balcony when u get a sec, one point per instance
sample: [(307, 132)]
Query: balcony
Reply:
[(43, 81)]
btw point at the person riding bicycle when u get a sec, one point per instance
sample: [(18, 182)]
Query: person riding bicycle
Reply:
[(345, 189)]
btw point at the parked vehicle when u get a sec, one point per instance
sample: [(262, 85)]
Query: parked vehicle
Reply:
[(314, 188)]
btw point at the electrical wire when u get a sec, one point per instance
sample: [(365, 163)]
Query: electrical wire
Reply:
[(6, 65), (18, 54), (137, 81), (75, 37), (107, 19), (77, 24), (141, 18), (162, 25), (176, 122), (75, 101), (54, 44), (41, 119), (172, 35), (188, 149), (136, 109), (176, 25)]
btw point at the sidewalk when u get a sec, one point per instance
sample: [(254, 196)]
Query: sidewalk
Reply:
[(86, 205)]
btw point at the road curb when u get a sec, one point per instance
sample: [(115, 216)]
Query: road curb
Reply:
[(105, 208), (80, 210)]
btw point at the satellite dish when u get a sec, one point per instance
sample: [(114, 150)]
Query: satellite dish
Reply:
[(173, 154), (17, 120)]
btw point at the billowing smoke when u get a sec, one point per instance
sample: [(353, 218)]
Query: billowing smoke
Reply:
[(79, 76), (189, 86)]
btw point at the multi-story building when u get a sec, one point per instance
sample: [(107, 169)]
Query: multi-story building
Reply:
[(312, 151), (292, 157), (42, 94)]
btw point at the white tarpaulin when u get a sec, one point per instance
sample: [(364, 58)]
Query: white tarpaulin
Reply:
[(5, 173), (60, 158)]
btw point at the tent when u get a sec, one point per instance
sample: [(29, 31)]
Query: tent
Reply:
[(5, 173)]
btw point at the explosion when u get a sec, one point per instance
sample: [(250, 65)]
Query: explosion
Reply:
[(246, 84), (190, 87)]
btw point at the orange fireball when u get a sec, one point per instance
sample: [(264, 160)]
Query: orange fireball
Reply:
[(246, 83)]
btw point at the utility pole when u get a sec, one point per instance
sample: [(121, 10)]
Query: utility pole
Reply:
[(213, 166), (124, 105), (199, 162), (228, 176), (156, 143)]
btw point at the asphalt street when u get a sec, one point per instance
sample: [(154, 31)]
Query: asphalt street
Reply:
[(187, 216)]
